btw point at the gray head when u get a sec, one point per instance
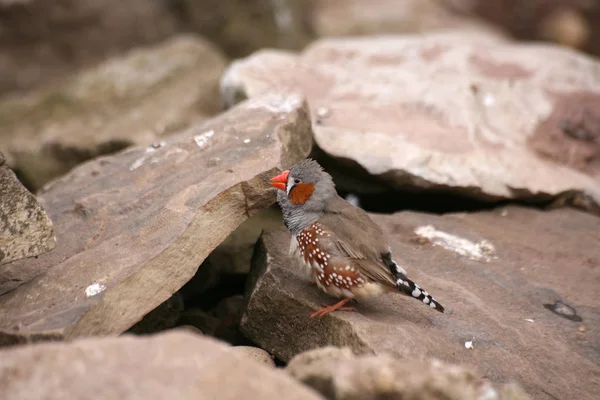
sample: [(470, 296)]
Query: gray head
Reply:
[(304, 191)]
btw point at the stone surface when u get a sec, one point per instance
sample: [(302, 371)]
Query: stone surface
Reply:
[(353, 17), (134, 227), (339, 375), (255, 354), (137, 98), (164, 317), (25, 229), (174, 365), (42, 41), (493, 271), (234, 254), (470, 114), (204, 321), (240, 27), (228, 312)]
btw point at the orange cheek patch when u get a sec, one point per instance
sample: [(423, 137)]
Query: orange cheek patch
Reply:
[(301, 193)]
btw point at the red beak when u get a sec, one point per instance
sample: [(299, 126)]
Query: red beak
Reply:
[(280, 181)]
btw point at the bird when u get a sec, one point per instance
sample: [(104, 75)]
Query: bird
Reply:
[(344, 252)]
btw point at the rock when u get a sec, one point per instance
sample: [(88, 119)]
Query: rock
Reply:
[(173, 365), (353, 17), (25, 229), (221, 322), (493, 271), (240, 27), (228, 312), (163, 317), (191, 329), (43, 41), (234, 254), (255, 354), (207, 277), (473, 115), (338, 375), (201, 320), (137, 98), (134, 227)]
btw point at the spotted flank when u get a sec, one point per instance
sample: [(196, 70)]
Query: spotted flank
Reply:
[(410, 288), (334, 277)]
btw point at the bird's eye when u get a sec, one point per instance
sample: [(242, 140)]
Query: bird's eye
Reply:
[(296, 180)]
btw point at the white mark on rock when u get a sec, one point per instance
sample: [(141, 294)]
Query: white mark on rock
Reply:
[(481, 251), (503, 213), (469, 344), (276, 102), (94, 289), (529, 320), (489, 100), (149, 150), (247, 141), (322, 112), (202, 139)]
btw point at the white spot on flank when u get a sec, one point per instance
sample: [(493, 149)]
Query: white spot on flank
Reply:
[(482, 251), (469, 344), (94, 289)]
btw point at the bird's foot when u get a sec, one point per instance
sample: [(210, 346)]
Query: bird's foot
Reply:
[(339, 306)]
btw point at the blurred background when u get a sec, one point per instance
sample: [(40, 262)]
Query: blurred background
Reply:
[(69, 68), (42, 41)]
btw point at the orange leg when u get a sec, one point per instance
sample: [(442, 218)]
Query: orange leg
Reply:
[(337, 306)]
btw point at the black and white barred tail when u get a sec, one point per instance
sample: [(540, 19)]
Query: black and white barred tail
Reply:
[(411, 289)]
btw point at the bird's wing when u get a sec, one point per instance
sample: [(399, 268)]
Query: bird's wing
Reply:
[(355, 236)]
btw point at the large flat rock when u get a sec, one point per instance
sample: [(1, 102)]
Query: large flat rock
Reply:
[(466, 113), (136, 98), (25, 229), (173, 365), (495, 272), (134, 227)]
